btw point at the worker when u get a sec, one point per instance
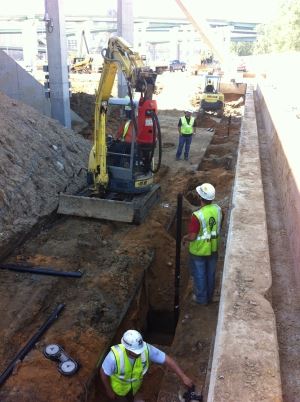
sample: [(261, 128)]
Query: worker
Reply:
[(126, 364), (203, 237), (186, 129), (209, 87), (127, 108), (124, 132)]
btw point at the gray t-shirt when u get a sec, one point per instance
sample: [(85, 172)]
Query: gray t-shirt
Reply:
[(109, 364)]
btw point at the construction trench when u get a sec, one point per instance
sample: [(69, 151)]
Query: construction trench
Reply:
[(242, 347)]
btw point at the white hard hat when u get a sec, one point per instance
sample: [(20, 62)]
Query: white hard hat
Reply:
[(206, 191), (133, 341), (189, 110)]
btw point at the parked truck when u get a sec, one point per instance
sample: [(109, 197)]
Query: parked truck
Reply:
[(176, 65)]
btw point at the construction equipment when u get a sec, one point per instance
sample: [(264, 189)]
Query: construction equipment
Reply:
[(212, 100), (120, 170), (82, 62), (67, 366), (81, 65), (31, 343)]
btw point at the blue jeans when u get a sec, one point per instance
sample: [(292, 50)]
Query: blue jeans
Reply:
[(203, 270), (184, 140)]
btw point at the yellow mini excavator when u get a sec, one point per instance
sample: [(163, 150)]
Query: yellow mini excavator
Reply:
[(212, 100), (121, 168), (83, 61)]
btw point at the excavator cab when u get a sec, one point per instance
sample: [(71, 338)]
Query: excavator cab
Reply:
[(212, 100), (130, 146)]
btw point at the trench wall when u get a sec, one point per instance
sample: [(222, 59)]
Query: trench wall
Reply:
[(283, 128), (245, 363)]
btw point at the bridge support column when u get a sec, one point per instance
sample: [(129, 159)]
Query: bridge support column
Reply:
[(57, 62), (125, 30)]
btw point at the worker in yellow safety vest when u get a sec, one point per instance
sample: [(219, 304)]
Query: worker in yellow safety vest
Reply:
[(204, 237), (126, 364), (186, 129), (127, 108)]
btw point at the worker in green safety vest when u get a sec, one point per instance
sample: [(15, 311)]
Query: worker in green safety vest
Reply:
[(186, 130), (126, 364), (204, 237)]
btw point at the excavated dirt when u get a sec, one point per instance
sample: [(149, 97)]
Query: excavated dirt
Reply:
[(38, 159), (121, 263)]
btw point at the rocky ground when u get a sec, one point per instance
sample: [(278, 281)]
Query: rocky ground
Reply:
[(122, 264)]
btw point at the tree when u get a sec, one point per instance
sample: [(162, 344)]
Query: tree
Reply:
[(282, 34), (242, 48)]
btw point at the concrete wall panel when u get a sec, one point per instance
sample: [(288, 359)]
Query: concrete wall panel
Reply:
[(245, 364), (283, 129), (19, 84)]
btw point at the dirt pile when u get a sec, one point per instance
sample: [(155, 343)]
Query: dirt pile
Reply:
[(38, 159)]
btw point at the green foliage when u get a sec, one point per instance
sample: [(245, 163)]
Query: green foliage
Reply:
[(282, 34), (242, 48)]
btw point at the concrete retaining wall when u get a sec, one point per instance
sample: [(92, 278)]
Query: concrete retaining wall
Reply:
[(283, 129), (245, 364), (16, 83)]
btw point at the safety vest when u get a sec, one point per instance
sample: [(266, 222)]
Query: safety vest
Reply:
[(125, 129), (187, 128), (207, 240), (128, 377)]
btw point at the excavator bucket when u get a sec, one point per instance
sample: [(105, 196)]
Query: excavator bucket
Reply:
[(131, 209)]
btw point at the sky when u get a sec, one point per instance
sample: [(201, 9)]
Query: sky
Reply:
[(244, 10)]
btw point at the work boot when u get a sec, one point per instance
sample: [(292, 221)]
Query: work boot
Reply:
[(194, 299), (215, 298), (186, 158)]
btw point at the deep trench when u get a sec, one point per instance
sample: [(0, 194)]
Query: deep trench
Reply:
[(159, 325)]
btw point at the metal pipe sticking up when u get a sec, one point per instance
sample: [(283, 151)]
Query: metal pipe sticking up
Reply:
[(177, 258)]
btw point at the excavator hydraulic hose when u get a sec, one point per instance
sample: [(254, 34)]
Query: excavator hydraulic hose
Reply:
[(157, 131)]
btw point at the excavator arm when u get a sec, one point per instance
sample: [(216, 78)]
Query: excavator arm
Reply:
[(117, 56), (121, 171)]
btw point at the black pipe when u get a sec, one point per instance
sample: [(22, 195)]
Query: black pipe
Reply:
[(39, 270), (177, 261), (157, 131), (30, 344), (228, 126)]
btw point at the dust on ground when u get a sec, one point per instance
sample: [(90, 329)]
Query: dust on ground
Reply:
[(118, 260)]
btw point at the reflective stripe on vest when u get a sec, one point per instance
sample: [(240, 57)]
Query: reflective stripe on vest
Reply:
[(128, 377), (125, 129), (207, 240), (186, 128)]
